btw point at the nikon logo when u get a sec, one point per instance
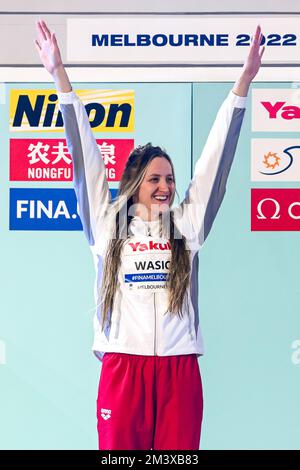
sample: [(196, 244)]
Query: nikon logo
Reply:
[(39, 110)]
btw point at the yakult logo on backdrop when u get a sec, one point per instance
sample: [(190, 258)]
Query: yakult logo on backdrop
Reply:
[(38, 110), (275, 209), (49, 159), (281, 109), (275, 110), (275, 160)]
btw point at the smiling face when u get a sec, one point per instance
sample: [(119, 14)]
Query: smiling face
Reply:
[(157, 188)]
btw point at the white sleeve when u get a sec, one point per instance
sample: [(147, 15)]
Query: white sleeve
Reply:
[(196, 213), (90, 184)]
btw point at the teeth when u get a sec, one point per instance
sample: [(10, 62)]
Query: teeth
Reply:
[(161, 198)]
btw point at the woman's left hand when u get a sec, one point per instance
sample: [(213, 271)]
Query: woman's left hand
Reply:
[(251, 65), (253, 61)]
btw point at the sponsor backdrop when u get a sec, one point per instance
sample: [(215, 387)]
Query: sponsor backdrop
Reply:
[(248, 278), (249, 292), (49, 375)]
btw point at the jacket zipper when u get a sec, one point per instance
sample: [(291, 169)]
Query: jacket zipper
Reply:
[(155, 335)]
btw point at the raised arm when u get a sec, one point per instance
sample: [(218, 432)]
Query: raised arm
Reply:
[(196, 213), (89, 178)]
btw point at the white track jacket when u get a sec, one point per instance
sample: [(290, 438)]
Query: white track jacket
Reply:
[(138, 322)]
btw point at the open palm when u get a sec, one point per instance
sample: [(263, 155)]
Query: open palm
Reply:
[(253, 61), (47, 47)]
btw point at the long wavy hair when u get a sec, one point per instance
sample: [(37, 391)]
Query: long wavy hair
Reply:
[(179, 269)]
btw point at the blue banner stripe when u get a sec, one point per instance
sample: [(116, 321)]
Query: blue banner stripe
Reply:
[(145, 277), (44, 209)]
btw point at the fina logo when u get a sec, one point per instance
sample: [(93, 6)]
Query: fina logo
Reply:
[(272, 161)]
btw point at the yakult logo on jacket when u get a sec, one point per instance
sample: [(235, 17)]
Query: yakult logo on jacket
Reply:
[(150, 246), (275, 109)]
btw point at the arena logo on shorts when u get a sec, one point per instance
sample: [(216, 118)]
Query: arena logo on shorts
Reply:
[(105, 414), (150, 246)]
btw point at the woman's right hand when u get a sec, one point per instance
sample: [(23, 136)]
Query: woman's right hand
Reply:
[(47, 48)]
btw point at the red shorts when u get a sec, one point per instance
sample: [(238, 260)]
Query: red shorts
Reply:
[(149, 402)]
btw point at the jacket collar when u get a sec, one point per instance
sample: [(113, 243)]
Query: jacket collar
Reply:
[(139, 226)]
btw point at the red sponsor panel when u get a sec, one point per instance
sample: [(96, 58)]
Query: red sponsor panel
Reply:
[(275, 209), (115, 153), (40, 160), (50, 160)]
